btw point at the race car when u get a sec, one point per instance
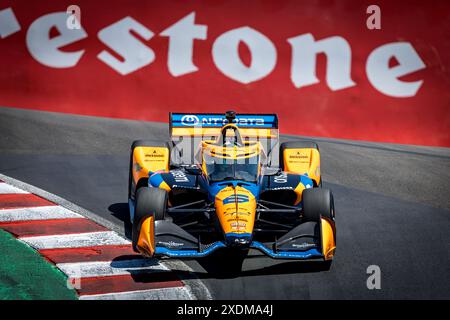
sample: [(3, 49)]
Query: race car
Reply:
[(224, 182)]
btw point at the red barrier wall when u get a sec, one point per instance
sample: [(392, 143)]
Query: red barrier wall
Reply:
[(387, 85)]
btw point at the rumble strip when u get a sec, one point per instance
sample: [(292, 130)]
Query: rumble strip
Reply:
[(99, 263)]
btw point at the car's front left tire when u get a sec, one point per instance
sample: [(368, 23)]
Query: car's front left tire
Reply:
[(149, 202)]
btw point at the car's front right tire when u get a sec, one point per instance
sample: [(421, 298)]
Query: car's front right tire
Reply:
[(317, 202)]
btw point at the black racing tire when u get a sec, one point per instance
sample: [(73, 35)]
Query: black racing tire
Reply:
[(317, 202), (149, 201), (154, 200), (132, 189)]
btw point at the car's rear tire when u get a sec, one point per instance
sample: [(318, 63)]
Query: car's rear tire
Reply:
[(149, 201), (317, 202)]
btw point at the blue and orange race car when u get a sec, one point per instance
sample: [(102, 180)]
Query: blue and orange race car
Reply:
[(223, 182)]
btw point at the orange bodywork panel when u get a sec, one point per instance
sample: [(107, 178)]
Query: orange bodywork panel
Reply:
[(146, 240), (299, 192), (235, 208), (250, 149), (328, 239), (301, 161), (148, 160)]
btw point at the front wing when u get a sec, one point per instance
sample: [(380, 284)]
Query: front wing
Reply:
[(309, 240)]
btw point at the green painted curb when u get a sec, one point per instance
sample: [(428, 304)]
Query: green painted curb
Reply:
[(26, 275)]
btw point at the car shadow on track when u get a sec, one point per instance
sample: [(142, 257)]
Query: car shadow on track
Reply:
[(215, 268), (121, 211), (218, 266)]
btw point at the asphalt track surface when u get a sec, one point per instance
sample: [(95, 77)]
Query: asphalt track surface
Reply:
[(392, 206)]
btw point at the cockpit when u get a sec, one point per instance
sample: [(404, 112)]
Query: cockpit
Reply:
[(220, 169), (231, 158)]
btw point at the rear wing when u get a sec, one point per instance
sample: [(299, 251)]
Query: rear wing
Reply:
[(188, 130)]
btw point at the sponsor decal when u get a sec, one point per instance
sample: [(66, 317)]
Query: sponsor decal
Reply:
[(189, 120), (281, 178), (282, 188), (232, 212), (175, 186), (179, 176), (303, 245), (299, 155), (170, 244), (154, 154), (239, 198), (238, 226)]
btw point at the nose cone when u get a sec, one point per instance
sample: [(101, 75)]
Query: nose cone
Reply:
[(235, 208), (238, 240)]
